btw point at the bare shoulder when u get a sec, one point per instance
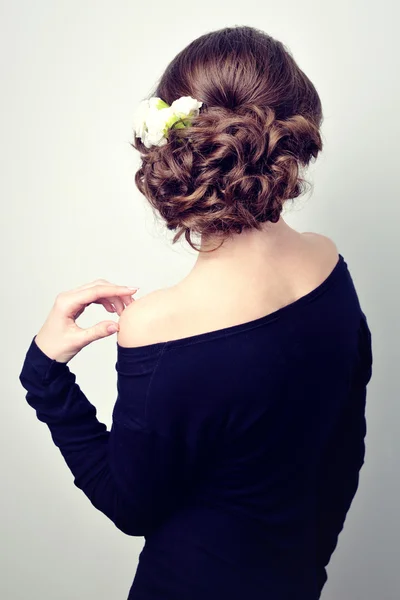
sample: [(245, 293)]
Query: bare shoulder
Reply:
[(146, 320), (324, 246), (165, 313)]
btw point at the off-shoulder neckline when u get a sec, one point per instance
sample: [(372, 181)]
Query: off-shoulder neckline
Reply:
[(340, 266)]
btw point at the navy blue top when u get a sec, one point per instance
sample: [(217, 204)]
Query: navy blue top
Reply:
[(235, 453)]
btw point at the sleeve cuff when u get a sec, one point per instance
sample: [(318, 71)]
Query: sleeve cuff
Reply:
[(47, 368)]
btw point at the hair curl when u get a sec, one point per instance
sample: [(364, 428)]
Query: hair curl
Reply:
[(241, 158)]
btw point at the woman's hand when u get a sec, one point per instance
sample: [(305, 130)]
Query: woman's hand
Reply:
[(61, 338)]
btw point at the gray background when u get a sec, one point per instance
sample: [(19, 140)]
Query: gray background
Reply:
[(71, 75)]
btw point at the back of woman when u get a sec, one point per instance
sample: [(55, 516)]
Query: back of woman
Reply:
[(239, 427), (263, 427)]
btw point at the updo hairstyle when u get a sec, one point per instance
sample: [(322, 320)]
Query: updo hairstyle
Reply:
[(241, 158)]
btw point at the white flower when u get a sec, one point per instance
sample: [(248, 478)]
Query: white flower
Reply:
[(154, 117), (186, 106), (157, 123), (139, 118)]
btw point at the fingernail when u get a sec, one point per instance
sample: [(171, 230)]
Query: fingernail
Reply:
[(132, 288)]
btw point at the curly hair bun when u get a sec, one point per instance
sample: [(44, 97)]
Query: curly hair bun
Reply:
[(241, 157)]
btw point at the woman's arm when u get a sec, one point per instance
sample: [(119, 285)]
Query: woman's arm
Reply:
[(131, 473), (344, 457)]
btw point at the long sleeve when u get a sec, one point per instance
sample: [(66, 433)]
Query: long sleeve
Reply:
[(344, 458), (130, 473)]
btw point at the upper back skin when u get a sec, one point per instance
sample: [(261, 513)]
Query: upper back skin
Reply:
[(178, 312)]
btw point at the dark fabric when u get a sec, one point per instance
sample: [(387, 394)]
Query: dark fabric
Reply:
[(235, 453)]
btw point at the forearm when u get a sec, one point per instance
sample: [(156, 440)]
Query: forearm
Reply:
[(83, 441)]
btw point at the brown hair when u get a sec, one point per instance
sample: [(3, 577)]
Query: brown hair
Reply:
[(240, 159)]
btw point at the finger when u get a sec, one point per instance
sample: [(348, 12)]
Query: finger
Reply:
[(92, 283), (107, 305), (98, 331), (73, 300), (97, 282), (128, 299), (122, 301), (118, 305)]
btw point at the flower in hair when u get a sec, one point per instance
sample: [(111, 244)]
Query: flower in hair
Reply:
[(154, 117)]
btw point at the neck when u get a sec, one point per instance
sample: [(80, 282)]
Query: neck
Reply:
[(242, 256)]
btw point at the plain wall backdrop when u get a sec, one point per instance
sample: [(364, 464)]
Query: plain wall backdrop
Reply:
[(71, 75)]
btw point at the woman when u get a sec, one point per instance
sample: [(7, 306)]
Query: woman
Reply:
[(238, 431)]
